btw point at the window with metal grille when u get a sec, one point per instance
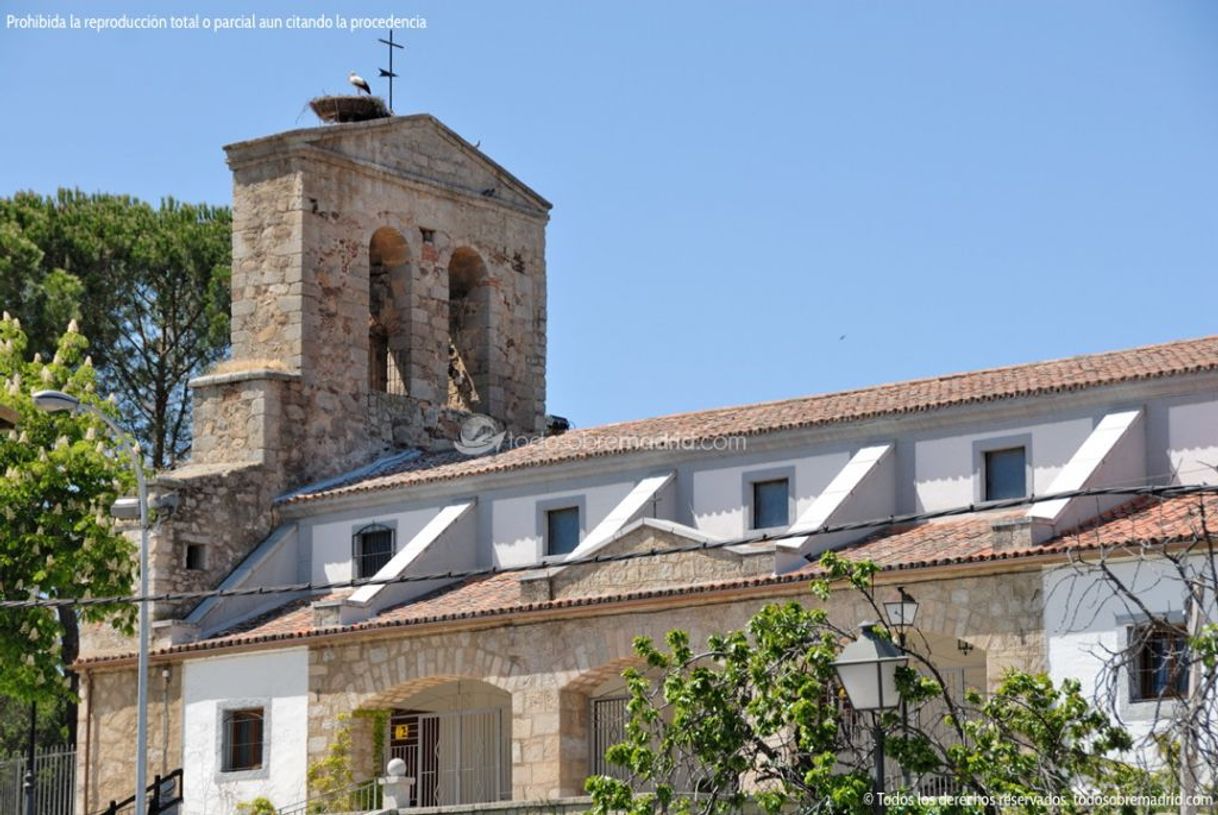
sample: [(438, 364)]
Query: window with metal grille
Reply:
[(771, 503), (242, 740), (372, 548), (1159, 662), (609, 717)]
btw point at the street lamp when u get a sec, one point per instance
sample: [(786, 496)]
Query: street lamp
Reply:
[(59, 402), (867, 669), (901, 612)]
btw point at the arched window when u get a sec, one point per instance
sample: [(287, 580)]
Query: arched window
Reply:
[(389, 282), (371, 548), (469, 332)]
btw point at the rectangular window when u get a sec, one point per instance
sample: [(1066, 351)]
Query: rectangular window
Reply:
[(195, 557), (373, 549), (1006, 474), (562, 531), (1160, 663), (771, 503), (242, 740)]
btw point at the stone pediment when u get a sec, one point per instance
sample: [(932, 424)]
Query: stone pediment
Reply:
[(647, 573), (418, 148)]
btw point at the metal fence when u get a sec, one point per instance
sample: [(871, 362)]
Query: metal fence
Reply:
[(54, 782)]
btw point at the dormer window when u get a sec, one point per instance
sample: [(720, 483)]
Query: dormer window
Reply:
[(1006, 473), (372, 548), (771, 503), (562, 531)]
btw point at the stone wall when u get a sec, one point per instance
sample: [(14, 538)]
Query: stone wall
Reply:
[(267, 307), (106, 725), (654, 573), (225, 510), (550, 668)]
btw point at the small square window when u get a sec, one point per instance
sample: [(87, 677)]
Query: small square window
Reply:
[(196, 557), (1006, 474), (562, 531), (372, 549), (242, 740), (1159, 663), (771, 503)]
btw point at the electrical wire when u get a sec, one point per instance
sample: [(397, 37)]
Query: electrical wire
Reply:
[(1162, 491)]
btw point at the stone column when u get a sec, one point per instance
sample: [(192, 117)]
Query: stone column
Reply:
[(549, 744)]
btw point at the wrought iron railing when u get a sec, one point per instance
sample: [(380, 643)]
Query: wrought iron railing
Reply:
[(164, 797), (362, 797)]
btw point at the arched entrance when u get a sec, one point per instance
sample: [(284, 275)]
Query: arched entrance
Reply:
[(455, 738)]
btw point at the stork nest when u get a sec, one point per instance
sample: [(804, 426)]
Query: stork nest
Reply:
[(349, 108)]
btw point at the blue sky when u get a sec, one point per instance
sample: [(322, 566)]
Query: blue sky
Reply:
[(950, 185)]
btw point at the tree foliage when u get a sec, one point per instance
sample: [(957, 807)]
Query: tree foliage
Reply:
[(148, 285), (758, 720), (61, 473)]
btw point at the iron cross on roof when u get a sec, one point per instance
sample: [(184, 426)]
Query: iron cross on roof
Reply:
[(389, 74)]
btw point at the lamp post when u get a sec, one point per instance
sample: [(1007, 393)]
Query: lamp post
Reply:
[(59, 402), (867, 669), (901, 615)]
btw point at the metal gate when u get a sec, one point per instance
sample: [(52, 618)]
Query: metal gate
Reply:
[(54, 779), (455, 758), (609, 717)]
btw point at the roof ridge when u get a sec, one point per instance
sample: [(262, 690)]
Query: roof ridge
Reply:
[(902, 383)]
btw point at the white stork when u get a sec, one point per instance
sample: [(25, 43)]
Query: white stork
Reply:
[(359, 83)]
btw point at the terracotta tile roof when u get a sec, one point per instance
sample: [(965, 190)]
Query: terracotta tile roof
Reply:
[(959, 541), (916, 396), (934, 543)]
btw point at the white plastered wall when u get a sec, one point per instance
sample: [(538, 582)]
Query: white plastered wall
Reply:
[(277, 681)]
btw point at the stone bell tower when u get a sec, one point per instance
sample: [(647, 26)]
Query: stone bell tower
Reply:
[(388, 279)]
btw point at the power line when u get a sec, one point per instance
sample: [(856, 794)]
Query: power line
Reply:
[(1161, 491)]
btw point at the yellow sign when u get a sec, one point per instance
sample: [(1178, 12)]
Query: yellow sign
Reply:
[(401, 732)]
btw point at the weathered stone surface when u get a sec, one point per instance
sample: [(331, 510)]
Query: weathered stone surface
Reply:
[(315, 214), (106, 733), (653, 573)]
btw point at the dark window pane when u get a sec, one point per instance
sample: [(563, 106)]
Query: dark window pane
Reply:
[(562, 531), (195, 556), (373, 549), (1006, 474), (242, 740), (771, 503)]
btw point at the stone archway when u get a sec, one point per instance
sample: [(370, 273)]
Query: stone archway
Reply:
[(469, 333), (389, 312), (454, 734)]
